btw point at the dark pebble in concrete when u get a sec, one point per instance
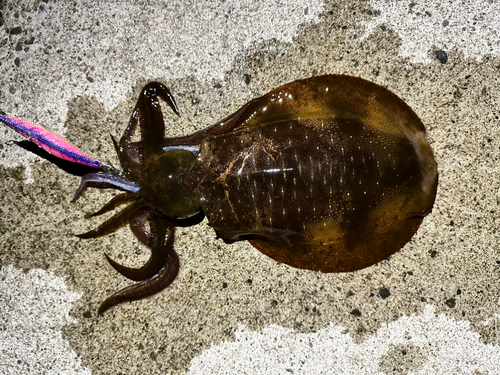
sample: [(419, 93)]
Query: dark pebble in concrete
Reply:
[(384, 293), (15, 30), (356, 312), (442, 56), (451, 302)]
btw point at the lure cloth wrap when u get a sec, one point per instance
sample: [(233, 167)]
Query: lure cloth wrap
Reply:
[(50, 142)]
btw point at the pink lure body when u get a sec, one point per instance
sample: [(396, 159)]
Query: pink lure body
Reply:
[(50, 142)]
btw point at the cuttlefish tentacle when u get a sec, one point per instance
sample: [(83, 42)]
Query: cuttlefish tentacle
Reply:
[(137, 228), (152, 266), (105, 181), (147, 113), (116, 222), (161, 279), (146, 287), (116, 201)]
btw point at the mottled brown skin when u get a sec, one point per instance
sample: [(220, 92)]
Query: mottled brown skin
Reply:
[(330, 173)]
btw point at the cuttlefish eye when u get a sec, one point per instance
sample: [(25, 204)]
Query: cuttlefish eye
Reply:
[(162, 187)]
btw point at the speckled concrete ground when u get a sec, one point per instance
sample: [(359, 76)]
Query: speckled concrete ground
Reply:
[(77, 67)]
